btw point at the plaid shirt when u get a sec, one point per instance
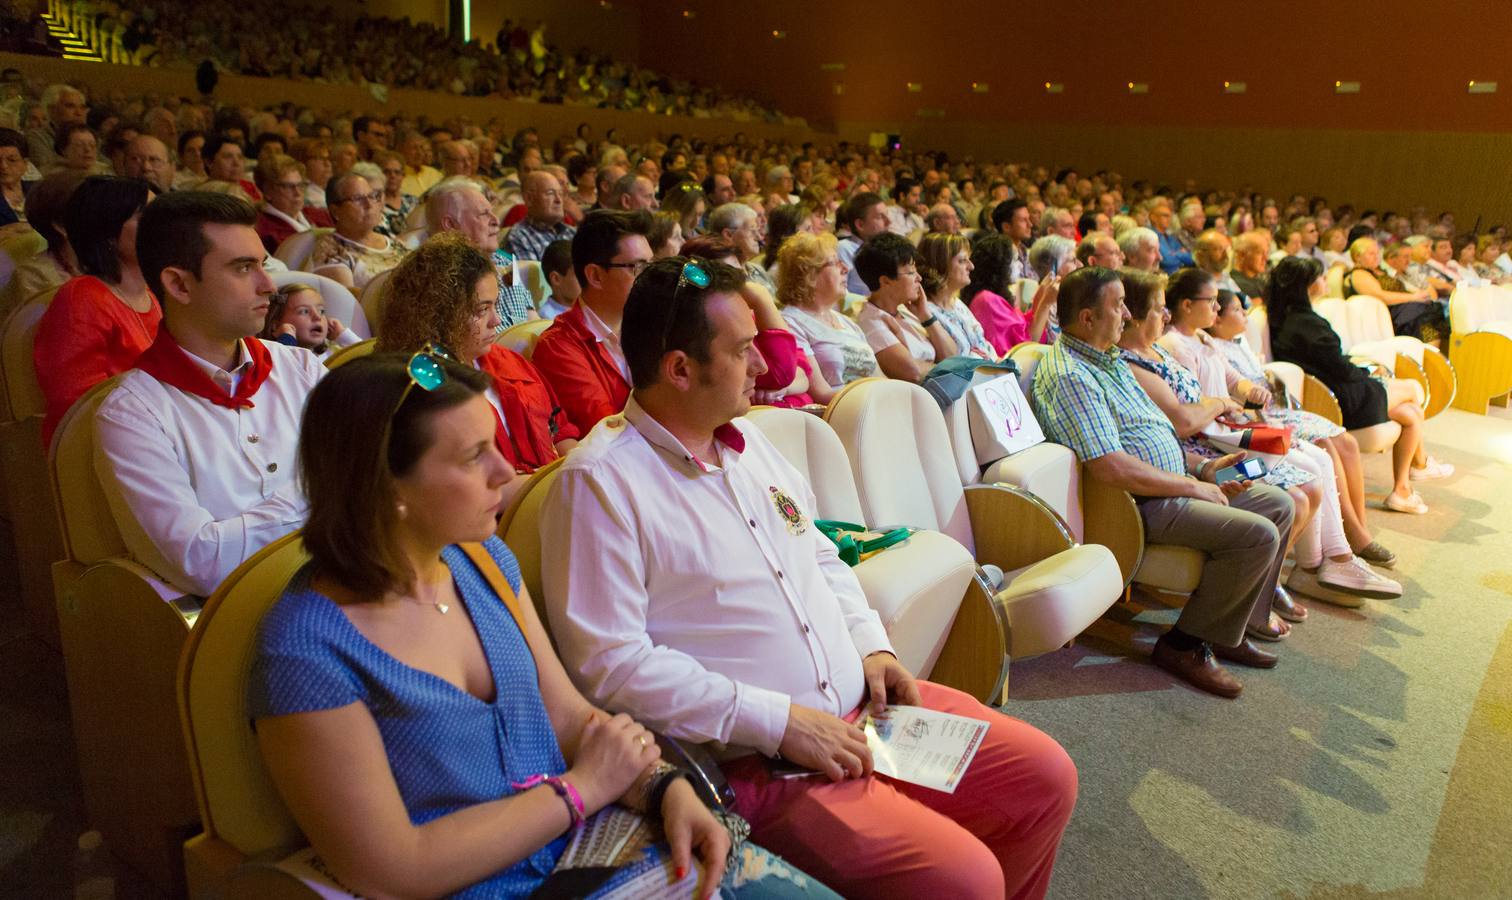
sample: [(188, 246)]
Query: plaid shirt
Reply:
[(527, 241), (1089, 401)]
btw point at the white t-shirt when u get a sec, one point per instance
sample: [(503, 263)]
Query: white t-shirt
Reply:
[(841, 350), (880, 336)]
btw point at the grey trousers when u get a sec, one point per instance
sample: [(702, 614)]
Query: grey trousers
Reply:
[(1245, 543)]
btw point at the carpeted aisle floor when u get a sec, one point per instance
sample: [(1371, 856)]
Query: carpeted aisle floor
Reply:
[(1375, 761)]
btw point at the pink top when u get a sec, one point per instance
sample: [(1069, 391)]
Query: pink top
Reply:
[(86, 336), (1205, 359), (1001, 321)]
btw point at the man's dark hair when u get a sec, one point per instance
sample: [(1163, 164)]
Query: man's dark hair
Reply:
[(97, 210), (1002, 214), (556, 259), (857, 207), (577, 164), (266, 138), (1080, 290), (214, 143), (172, 231), (1087, 223), (65, 134), (657, 306), (361, 124), (1358, 232), (186, 137), (901, 187), (882, 257), (597, 239)]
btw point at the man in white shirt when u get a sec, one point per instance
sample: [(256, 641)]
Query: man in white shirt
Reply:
[(195, 448), (687, 586)]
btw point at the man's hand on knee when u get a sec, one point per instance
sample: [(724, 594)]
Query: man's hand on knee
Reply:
[(825, 743)]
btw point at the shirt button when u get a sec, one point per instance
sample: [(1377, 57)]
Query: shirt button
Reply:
[(273, 467), (752, 523), (253, 438), (824, 685), (779, 573), (805, 629)]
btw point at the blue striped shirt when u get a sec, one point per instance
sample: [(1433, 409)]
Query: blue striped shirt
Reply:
[(1090, 401)]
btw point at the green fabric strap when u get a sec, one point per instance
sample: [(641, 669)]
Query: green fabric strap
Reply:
[(843, 534)]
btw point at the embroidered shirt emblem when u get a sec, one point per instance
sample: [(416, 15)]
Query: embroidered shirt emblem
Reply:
[(797, 523)]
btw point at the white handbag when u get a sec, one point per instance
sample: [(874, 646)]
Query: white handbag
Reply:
[(1001, 422)]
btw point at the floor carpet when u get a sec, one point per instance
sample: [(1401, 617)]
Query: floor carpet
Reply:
[(1373, 762)]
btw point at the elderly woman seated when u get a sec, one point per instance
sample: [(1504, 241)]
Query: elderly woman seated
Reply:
[(906, 338), (444, 295), (355, 252), (1413, 313), (811, 289), (283, 212), (1052, 257)]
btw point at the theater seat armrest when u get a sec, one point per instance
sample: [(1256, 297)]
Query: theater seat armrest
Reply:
[(1112, 520), (1013, 528)]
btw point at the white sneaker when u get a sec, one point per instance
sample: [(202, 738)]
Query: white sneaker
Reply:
[(1433, 470), (1301, 581), (1413, 504), (1355, 577)]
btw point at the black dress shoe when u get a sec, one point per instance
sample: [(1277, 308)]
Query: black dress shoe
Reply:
[(1246, 654), (1196, 667)]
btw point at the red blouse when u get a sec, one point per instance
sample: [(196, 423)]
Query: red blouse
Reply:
[(533, 419), (86, 336)]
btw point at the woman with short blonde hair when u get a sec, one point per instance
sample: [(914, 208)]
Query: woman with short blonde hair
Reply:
[(811, 289)]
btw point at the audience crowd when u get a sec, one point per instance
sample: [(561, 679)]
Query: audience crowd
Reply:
[(686, 280)]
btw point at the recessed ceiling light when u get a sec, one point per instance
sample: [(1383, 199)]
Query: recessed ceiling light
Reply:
[(779, 35), (1139, 87), (915, 87), (1054, 87), (1346, 87), (1482, 87), (1235, 87)]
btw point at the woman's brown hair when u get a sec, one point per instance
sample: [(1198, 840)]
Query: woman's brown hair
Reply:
[(365, 426), (432, 295), (936, 250)]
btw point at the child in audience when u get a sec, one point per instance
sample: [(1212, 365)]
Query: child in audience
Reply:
[(297, 317), (556, 268)]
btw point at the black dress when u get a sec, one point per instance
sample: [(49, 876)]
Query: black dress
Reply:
[(1306, 338)]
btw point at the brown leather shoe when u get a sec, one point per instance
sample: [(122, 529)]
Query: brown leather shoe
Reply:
[(1196, 667), (1246, 654)]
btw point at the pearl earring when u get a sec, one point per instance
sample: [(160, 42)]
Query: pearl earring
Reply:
[(403, 510)]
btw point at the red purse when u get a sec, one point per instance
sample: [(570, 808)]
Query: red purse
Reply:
[(1262, 438)]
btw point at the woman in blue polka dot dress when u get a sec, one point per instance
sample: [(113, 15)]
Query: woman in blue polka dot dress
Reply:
[(407, 701)]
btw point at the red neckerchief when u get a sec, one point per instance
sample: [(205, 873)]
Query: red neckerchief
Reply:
[(166, 361)]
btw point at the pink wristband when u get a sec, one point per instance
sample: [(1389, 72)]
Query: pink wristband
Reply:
[(565, 790)]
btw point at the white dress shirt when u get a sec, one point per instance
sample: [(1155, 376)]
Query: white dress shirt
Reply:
[(197, 488), (608, 338), (698, 596)]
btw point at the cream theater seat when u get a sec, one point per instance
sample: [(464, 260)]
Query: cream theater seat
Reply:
[(295, 249), (1051, 588), (122, 629), (915, 587), (522, 338), (1480, 345)]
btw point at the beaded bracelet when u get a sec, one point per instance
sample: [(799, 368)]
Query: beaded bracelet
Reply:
[(565, 790)]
